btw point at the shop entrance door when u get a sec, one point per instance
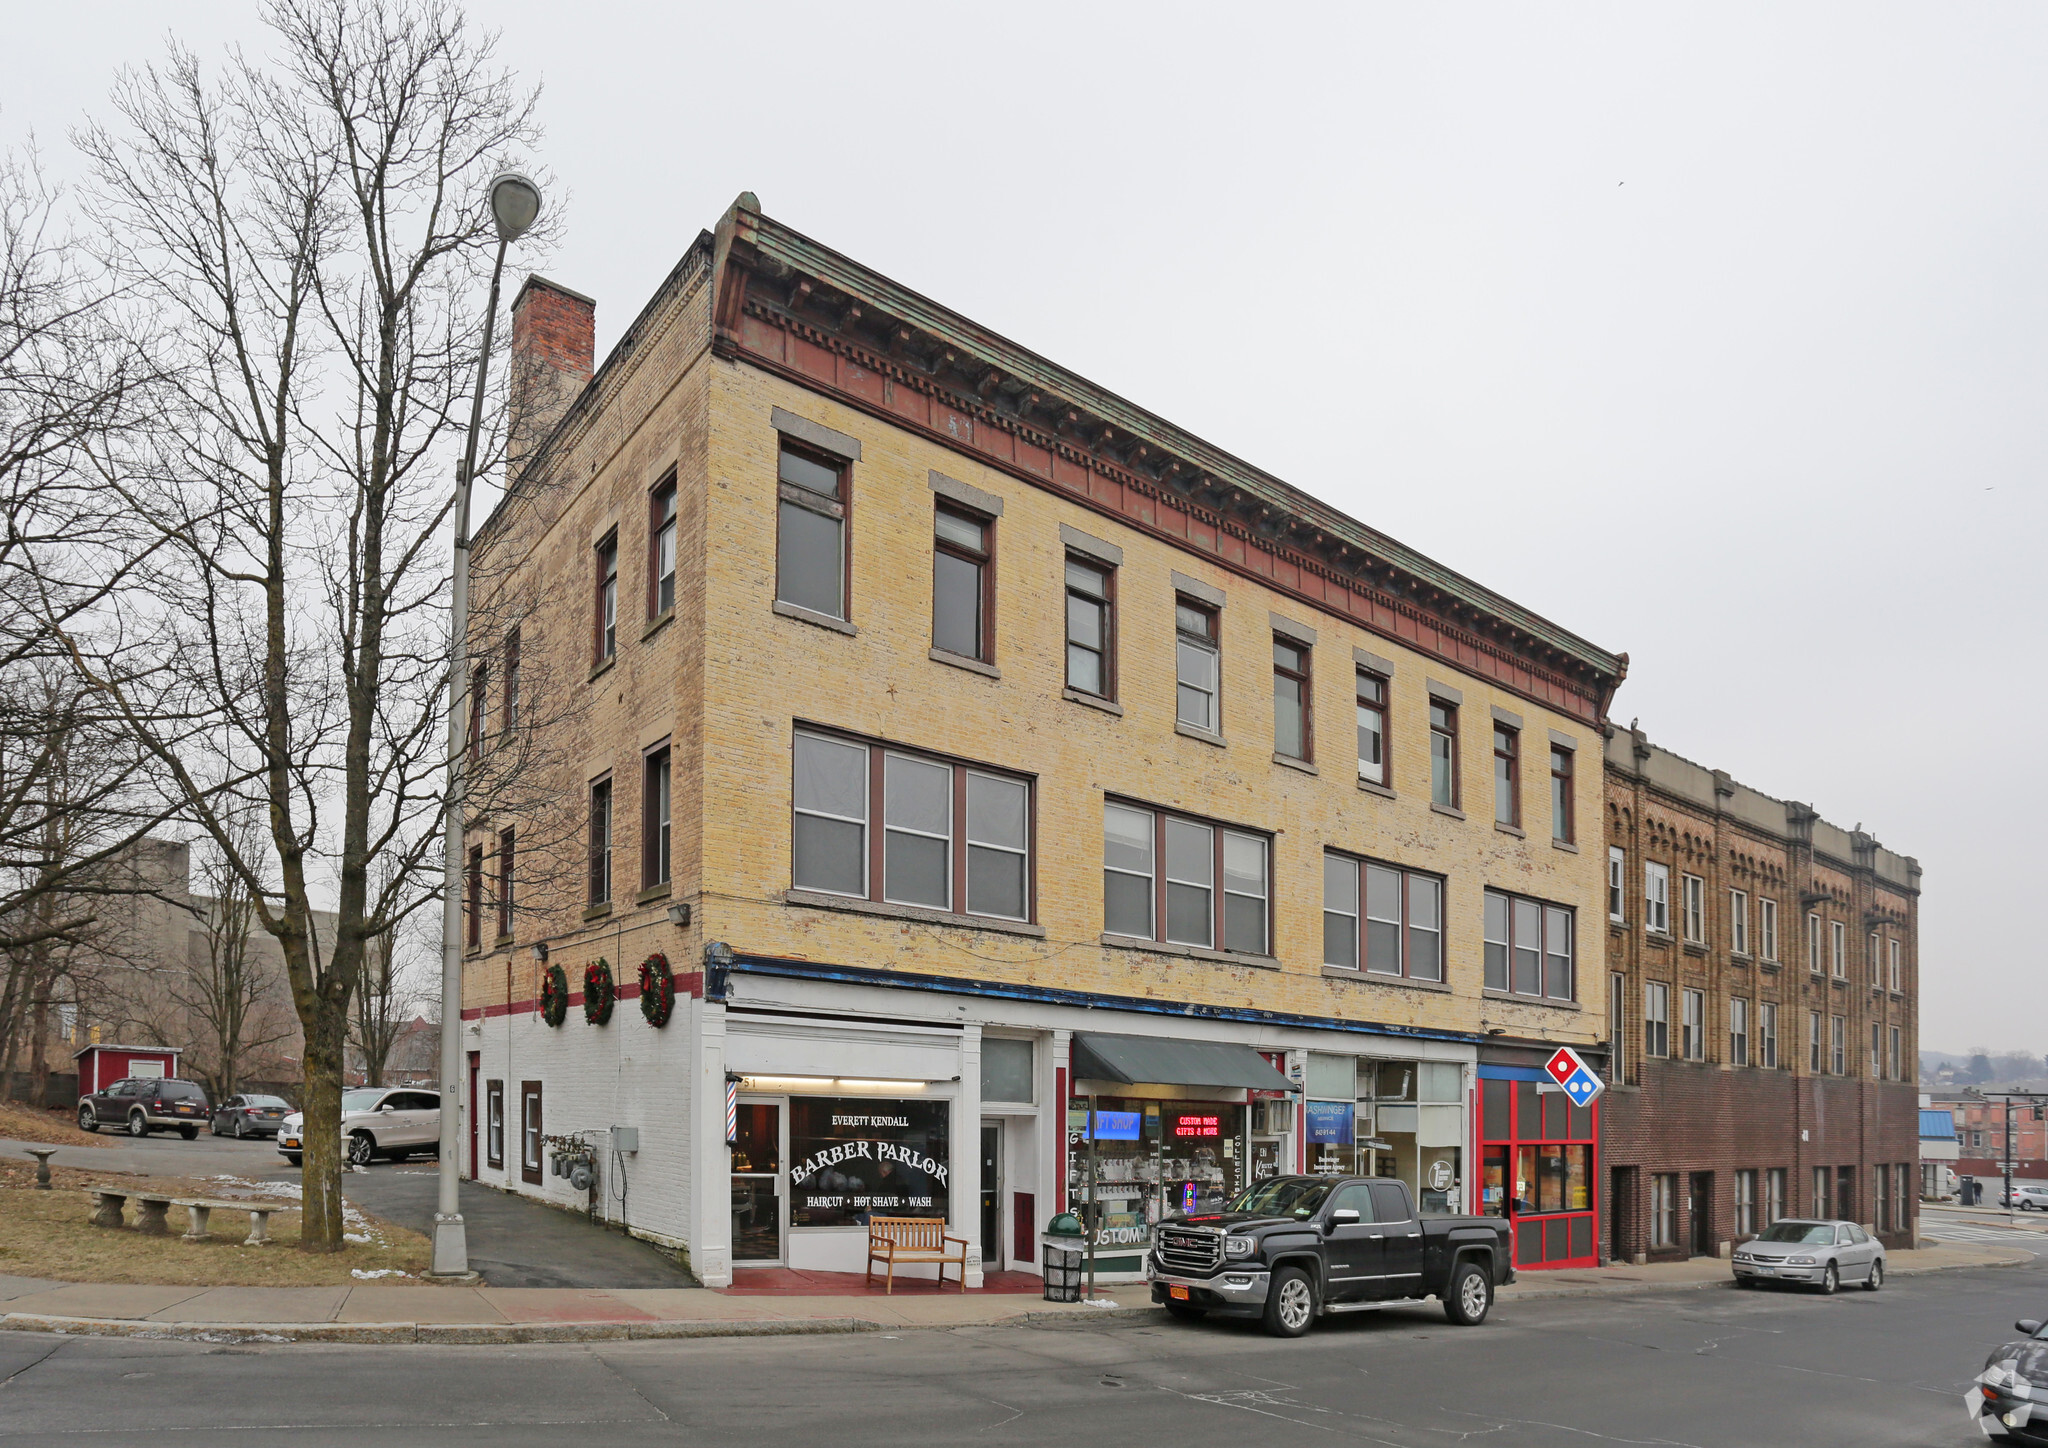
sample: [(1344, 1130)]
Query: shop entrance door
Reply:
[(757, 1185), (992, 1196), (1700, 1205)]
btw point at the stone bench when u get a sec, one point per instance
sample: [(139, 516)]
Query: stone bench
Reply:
[(152, 1209), (199, 1213)]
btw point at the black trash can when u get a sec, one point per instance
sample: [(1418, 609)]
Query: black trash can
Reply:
[(1065, 1257)]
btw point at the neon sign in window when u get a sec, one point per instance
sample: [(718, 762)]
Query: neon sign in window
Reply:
[(1187, 1126)]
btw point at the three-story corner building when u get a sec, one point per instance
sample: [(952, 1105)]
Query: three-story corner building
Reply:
[(1762, 1000), (1030, 805)]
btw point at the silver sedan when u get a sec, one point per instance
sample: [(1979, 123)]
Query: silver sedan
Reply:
[(1813, 1253)]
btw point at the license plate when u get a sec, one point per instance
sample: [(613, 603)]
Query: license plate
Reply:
[(1178, 1294)]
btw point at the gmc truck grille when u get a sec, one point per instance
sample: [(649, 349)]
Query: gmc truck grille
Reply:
[(1189, 1251)]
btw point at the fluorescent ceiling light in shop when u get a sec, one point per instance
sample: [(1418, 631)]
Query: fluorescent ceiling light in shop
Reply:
[(813, 1083)]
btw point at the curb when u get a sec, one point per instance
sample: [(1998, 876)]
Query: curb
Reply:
[(458, 1334), (1636, 1289)]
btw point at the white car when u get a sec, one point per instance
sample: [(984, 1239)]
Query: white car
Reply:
[(2029, 1199), (387, 1121)]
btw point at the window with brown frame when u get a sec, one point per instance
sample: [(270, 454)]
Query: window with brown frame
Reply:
[(508, 716), (601, 841), (1507, 775), (1185, 881), (1293, 714), (1372, 728), (1091, 627), (1197, 665), (810, 531), (606, 620), (506, 855), (479, 710), (532, 1143), (1443, 753), (654, 819), (661, 548), (494, 1124), (963, 583), (1563, 829), (875, 822), (1396, 915), (1529, 947), (476, 897)]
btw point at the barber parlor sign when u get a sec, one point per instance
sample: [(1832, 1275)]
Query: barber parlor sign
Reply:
[(854, 1157)]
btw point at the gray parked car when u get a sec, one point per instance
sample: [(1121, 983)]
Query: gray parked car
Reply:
[(1814, 1253)]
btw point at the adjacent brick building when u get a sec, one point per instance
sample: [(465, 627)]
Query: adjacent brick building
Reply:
[(1762, 994), (1981, 1137)]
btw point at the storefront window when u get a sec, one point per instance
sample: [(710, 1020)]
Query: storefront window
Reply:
[(1399, 1119), (1537, 1168), (1153, 1160), (852, 1157)]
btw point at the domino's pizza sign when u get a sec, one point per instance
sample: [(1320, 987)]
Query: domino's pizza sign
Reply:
[(1570, 1071)]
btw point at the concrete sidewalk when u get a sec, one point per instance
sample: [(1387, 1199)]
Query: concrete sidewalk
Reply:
[(375, 1312)]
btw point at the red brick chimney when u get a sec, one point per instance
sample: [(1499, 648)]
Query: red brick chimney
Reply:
[(554, 342)]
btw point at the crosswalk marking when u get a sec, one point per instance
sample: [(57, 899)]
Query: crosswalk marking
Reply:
[(1976, 1232)]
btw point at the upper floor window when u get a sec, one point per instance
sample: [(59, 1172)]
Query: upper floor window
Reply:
[(1813, 1042), (1838, 940), (1397, 914), (1876, 1050), (1814, 960), (1738, 921), (1617, 870), (1443, 753), (1196, 663), (1738, 1031), (810, 531), (963, 553), (479, 709), (1693, 1026), (655, 810), (1656, 897), (1528, 947), (1562, 828), (1838, 1048), (608, 597), (1656, 1018), (1372, 728), (1291, 715), (600, 842), (506, 855), (1160, 880), (1617, 1024), (1767, 1035), (1767, 927), (1876, 956), (1091, 619), (1507, 775), (952, 836), (1893, 1061), (475, 892), (661, 571), (508, 716), (1695, 898), (1892, 959)]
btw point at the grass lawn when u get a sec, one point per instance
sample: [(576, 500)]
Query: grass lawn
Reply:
[(47, 1234), (21, 1122)]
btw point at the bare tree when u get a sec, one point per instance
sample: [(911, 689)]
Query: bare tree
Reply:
[(316, 235), (385, 1001), (230, 993)]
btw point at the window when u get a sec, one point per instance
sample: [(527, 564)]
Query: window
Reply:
[(1838, 937), (1196, 665), (1443, 753), (531, 1140), (1693, 1025), (1657, 898), (1745, 1204), (1528, 947), (508, 717), (1372, 728), (476, 897), (1774, 1194), (963, 549), (1507, 775), (1617, 1023), (1159, 880), (1838, 1045), (1821, 1177), (1892, 1058), (953, 837), (661, 553), (506, 854), (1738, 1032), (1402, 919), (654, 818), (1694, 894), (810, 537), (1091, 619), (1892, 958), (1617, 872), (1813, 933), (607, 620), (1767, 1035), (1562, 828), (600, 892), (479, 710), (494, 1124), (1876, 1050), (1813, 1048), (1006, 1069), (1875, 957), (1738, 921), (1291, 712), (1881, 1197), (1664, 1209), (1656, 1018), (1767, 928)]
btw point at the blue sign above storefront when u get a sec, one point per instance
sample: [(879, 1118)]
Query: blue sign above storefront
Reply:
[(1329, 1123)]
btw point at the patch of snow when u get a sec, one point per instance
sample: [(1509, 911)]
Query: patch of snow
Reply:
[(368, 1273)]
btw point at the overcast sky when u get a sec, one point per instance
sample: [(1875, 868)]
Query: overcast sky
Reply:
[(1713, 333)]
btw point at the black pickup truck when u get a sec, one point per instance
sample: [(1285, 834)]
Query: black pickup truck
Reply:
[(1289, 1248)]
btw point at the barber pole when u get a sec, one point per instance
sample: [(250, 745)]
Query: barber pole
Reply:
[(732, 1111)]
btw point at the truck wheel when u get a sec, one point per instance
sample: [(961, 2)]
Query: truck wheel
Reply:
[(1291, 1309), (1185, 1312), (138, 1124), (1470, 1296), (190, 1133), (86, 1120), (290, 1156)]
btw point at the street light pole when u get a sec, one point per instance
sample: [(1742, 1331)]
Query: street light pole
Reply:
[(515, 204)]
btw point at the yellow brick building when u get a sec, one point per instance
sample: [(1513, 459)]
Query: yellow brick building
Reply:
[(969, 745)]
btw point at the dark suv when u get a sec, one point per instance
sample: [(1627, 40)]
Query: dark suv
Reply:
[(142, 1104)]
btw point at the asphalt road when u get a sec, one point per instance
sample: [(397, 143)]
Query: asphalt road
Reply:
[(1712, 1369)]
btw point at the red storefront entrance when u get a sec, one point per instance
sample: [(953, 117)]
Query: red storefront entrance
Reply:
[(1539, 1161)]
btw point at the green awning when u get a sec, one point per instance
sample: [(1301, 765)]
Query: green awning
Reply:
[(1157, 1060)]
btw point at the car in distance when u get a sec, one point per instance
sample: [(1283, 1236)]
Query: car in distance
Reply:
[(139, 1105), (2029, 1199), (250, 1115), (1291, 1248), (387, 1121), (1812, 1253), (2008, 1401)]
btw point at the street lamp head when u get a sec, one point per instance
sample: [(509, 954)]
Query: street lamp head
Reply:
[(515, 204)]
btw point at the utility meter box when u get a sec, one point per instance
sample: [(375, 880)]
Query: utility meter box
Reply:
[(625, 1138)]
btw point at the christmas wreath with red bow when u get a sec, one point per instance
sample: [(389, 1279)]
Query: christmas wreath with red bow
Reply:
[(554, 995), (657, 989), (599, 993)]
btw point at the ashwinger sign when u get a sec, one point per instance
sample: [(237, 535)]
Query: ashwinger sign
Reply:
[(854, 1158)]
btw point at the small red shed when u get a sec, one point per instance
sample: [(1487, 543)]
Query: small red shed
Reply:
[(101, 1066)]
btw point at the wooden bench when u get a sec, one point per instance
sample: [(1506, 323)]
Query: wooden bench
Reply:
[(913, 1239), (199, 1214)]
